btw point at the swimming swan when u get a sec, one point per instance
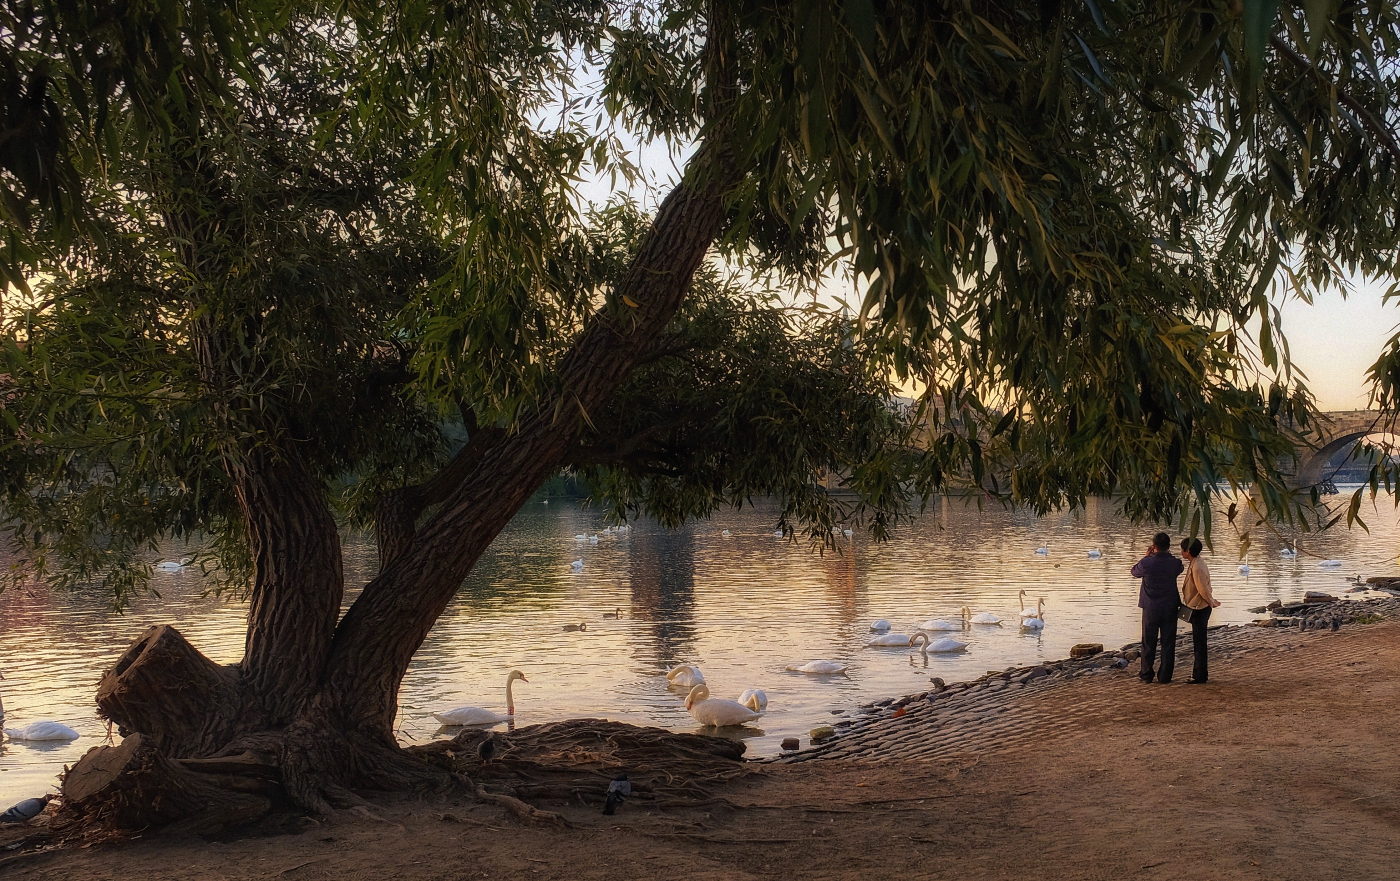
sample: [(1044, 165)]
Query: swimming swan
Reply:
[(819, 668), (980, 617), (1095, 553), (880, 626), (478, 716), (37, 730), (1043, 550), (715, 711), (889, 639), (946, 645), (939, 624), (1036, 619), (754, 699), (686, 675)]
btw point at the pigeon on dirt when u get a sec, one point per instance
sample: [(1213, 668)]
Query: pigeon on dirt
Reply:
[(25, 810), (618, 790)]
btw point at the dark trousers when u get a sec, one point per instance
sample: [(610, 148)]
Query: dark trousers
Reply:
[(1199, 619), (1157, 622)]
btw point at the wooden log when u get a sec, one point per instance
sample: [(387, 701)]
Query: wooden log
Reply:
[(132, 786)]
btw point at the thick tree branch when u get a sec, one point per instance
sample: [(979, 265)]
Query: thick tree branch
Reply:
[(1368, 121), (398, 511), (384, 628)]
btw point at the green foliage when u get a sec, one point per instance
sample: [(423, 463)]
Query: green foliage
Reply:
[(351, 234)]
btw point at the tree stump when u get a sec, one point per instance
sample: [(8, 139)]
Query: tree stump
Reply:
[(164, 688), (131, 786)]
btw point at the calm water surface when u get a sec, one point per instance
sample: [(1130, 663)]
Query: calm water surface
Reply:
[(743, 606)]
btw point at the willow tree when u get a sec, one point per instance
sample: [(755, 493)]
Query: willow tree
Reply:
[(281, 248)]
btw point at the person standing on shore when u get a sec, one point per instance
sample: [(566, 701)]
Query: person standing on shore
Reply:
[(1159, 601), (1195, 593)]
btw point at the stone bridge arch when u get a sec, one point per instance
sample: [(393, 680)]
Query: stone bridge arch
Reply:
[(1340, 431)]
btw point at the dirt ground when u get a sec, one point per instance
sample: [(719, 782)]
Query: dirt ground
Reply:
[(1283, 767)]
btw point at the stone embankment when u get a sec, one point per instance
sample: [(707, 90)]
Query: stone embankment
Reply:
[(985, 713)]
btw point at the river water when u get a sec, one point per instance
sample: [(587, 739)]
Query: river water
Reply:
[(741, 605)]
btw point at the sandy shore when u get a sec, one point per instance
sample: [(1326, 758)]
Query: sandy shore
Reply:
[(1283, 767)]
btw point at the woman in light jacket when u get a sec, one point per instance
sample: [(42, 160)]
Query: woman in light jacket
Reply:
[(1195, 592)]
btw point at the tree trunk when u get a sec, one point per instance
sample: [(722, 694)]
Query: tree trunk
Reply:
[(298, 581)]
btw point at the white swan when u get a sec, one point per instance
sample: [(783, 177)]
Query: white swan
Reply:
[(1330, 564), (888, 639), (725, 533), (848, 533), (42, 731), (1036, 619), (716, 711), (686, 675), (576, 565), (580, 538), (778, 533), (980, 617), (880, 626), (1043, 550), (1288, 552), (946, 645), (478, 716), (1244, 567), (754, 699), (819, 668), (170, 565), (37, 730), (1095, 553)]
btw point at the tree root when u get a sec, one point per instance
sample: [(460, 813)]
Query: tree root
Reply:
[(520, 809)]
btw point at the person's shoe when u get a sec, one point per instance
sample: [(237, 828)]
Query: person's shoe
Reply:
[(1164, 682), (1194, 681), (1147, 678)]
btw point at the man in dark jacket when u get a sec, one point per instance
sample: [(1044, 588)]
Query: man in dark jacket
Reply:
[(1158, 600)]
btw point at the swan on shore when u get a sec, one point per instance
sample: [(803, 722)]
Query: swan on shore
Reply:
[(479, 716), (685, 675), (945, 645), (754, 699), (715, 711), (818, 668)]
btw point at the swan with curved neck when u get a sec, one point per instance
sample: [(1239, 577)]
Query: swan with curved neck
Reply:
[(685, 676), (946, 645), (717, 712), (479, 716)]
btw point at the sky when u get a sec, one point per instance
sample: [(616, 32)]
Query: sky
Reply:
[(1334, 341)]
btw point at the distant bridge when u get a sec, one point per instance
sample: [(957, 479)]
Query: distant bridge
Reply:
[(1339, 432)]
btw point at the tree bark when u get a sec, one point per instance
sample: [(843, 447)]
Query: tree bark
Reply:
[(133, 786), (184, 703), (298, 580)]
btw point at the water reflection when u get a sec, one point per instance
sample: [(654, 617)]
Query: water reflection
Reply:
[(661, 570), (742, 606)]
